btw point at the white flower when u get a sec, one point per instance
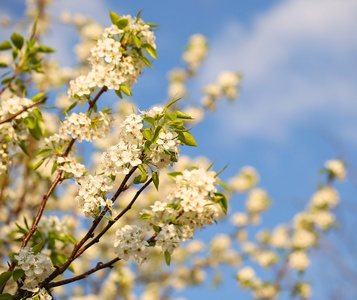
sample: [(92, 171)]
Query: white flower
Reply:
[(298, 260), (337, 168)]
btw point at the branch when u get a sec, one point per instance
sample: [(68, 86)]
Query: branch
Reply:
[(17, 71), (22, 110), (111, 223), (84, 275), (88, 235)]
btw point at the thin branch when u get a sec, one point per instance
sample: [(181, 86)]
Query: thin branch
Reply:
[(111, 223), (9, 83), (43, 100), (99, 266), (89, 234)]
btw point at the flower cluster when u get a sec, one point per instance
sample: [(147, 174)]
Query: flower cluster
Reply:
[(246, 179), (36, 266), (92, 194), (130, 241), (81, 127), (12, 132), (189, 205), (336, 168), (162, 149), (117, 58), (196, 52), (71, 166), (227, 86)]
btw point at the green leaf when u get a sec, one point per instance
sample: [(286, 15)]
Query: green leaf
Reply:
[(17, 40), (210, 166), (173, 175), (152, 24), (145, 216), (4, 277), (70, 238), (147, 62), (118, 92), (5, 46), (37, 248), (38, 97), (182, 115), (73, 105), (137, 41), (167, 257), (125, 89), (122, 23), (54, 167), (37, 113), (142, 169), (140, 178), (150, 50), (5, 296), (45, 49), (155, 179), (147, 134), (221, 171), (156, 228), (138, 16), (109, 218), (225, 186), (187, 139), (39, 164), (156, 134), (23, 148), (172, 102), (17, 274), (29, 122), (44, 152), (3, 65), (149, 120), (114, 17), (222, 201)]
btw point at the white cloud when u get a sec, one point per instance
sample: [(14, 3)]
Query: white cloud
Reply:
[(298, 61)]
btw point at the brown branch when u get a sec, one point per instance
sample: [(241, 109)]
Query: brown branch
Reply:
[(84, 275), (17, 71), (111, 223), (88, 235), (43, 100)]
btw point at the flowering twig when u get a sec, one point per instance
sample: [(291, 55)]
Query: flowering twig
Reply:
[(98, 267), (43, 100)]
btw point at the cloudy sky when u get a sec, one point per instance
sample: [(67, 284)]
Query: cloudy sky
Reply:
[(297, 106)]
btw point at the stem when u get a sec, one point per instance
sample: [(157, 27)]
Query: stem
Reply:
[(17, 72), (98, 267), (74, 254), (43, 100)]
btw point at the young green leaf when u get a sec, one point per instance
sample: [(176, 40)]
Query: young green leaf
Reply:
[(29, 122), (187, 139), (147, 134), (155, 179), (225, 186), (38, 97), (5, 46), (39, 164), (145, 216), (150, 50), (221, 171), (125, 89), (45, 49), (17, 274), (5, 296), (23, 148), (137, 41), (122, 23), (3, 65), (17, 40), (44, 152), (37, 248), (114, 17), (167, 257), (110, 219), (182, 115), (173, 175), (4, 277), (147, 62)]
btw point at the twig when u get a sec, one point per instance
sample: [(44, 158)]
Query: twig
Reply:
[(84, 275), (43, 100)]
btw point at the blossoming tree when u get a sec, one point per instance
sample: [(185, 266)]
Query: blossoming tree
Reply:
[(108, 220)]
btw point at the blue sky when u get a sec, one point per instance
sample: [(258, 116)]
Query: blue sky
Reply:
[(298, 100)]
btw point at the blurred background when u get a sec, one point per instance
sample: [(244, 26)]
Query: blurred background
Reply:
[(297, 106)]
